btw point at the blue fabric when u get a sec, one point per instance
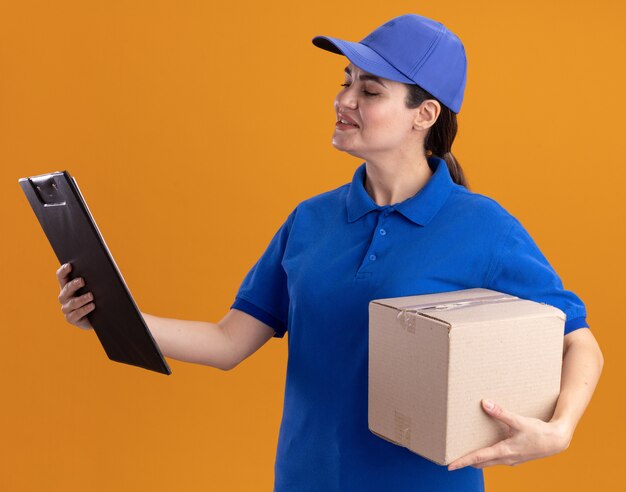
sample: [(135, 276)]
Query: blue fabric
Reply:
[(335, 253)]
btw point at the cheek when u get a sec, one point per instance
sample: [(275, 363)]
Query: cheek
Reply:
[(387, 120)]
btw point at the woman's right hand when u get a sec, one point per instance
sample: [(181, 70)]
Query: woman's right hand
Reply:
[(74, 307)]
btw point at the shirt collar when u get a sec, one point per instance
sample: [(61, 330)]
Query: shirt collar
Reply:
[(420, 208)]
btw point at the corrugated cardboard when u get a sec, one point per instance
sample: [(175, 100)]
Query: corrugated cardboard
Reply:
[(432, 358)]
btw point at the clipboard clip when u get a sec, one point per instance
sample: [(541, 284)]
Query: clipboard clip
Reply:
[(47, 190)]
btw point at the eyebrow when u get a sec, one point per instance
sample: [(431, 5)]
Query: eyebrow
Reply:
[(373, 78)]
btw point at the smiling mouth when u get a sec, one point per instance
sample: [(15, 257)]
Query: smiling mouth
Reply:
[(344, 125)]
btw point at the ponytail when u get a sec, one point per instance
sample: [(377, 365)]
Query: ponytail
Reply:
[(439, 139)]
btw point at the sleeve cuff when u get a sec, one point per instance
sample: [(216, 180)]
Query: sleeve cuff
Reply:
[(247, 307), (575, 323)]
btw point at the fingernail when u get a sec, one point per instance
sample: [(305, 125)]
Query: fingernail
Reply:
[(489, 404)]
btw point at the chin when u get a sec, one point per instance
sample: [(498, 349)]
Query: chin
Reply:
[(346, 149)]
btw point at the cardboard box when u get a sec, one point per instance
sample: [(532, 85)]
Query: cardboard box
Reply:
[(432, 358)]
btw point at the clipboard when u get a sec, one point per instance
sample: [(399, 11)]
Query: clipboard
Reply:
[(75, 238)]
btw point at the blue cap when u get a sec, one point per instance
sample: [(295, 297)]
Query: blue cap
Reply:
[(412, 49)]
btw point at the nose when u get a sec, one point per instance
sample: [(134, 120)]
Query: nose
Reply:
[(345, 99)]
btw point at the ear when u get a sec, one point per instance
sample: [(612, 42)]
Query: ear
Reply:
[(426, 114)]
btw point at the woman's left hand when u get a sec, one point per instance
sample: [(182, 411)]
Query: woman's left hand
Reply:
[(528, 439)]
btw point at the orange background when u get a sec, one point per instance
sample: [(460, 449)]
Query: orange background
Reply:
[(193, 129)]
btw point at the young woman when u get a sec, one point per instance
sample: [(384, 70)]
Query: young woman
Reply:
[(406, 224)]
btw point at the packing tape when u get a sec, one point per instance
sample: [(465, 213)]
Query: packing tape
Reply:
[(402, 428), (408, 314), (463, 302)]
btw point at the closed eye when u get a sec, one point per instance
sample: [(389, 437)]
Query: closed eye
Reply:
[(367, 93)]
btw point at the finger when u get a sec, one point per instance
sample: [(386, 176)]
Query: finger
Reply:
[(77, 315), (497, 451), (70, 287), (496, 411), (76, 302), (63, 272), (501, 461)]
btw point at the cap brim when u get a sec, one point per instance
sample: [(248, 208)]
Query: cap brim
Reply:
[(362, 56)]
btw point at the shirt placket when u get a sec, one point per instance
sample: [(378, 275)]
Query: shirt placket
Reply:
[(377, 247)]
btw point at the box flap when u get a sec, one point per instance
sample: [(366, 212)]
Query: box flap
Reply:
[(468, 306), (429, 300), (504, 310)]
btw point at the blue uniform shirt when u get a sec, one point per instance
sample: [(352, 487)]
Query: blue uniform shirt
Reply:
[(335, 253)]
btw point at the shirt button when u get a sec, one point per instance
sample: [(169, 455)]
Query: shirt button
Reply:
[(382, 232), (373, 257)]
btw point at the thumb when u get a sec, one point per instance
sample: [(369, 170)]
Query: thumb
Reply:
[(497, 412)]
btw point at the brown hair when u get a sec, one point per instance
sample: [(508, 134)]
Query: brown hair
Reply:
[(440, 136)]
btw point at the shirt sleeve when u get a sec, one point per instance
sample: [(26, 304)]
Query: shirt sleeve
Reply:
[(519, 268), (263, 292)]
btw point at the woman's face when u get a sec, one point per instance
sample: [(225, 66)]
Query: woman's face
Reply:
[(377, 106)]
